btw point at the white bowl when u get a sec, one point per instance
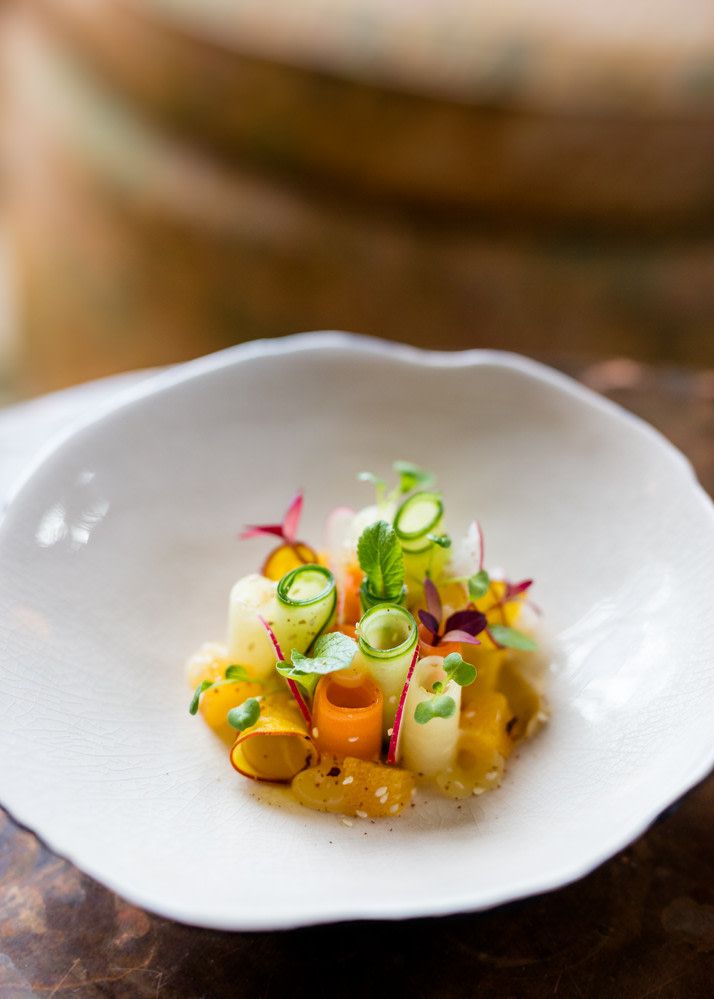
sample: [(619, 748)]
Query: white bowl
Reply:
[(118, 552)]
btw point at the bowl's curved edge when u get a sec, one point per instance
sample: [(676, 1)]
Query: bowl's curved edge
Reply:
[(450, 906), (467, 902), (178, 374)]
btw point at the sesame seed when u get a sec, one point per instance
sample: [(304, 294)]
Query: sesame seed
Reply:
[(394, 809), (315, 733), (542, 716), (347, 822), (348, 780), (389, 731), (470, 713), (360, 814), (383, 799), (457, 783), (492, 775), (353, 738), (479, 790), (380, 791), (392, 699)]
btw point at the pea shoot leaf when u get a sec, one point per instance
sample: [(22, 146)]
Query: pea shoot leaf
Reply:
[(245, 715), (441, 706)]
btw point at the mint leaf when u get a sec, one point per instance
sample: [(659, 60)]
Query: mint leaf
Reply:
[(442, 706), (478, 585), (381, 559), (511, 638), (411, 476), (332, 652), (245, 715), (458, 670), (203, 685)]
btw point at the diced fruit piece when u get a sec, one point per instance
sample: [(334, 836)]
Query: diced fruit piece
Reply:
[(488, 715), (488, 663), (216, 702), (284, 558), (454, 597), (524, 698), (350, 787), (478, 767), (208, 662)]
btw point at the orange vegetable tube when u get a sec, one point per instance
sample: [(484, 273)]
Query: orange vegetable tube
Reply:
[(278, 746), (347, 715)]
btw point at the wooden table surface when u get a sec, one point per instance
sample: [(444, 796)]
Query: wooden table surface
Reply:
[(642, 925)]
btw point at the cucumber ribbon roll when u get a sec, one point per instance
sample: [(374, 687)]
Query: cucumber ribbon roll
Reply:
[(387, 637)]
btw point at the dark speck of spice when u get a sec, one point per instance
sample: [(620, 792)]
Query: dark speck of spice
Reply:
[(510, 724), (334, 772)]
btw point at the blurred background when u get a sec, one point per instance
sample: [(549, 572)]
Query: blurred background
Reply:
[(178, 176)]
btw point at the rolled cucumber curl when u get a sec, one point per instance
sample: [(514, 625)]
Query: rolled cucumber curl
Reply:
[(305, 603), (387, 637), (419, 516), (369, 599)]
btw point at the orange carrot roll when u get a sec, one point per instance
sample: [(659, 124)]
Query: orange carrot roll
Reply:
[(347, 715)]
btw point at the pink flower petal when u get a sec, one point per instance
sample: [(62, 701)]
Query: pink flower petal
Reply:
[(256, 530), (433, 601), (292, 519), (460, 636)]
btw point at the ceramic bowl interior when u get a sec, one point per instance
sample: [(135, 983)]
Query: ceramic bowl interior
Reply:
[(119, 550)]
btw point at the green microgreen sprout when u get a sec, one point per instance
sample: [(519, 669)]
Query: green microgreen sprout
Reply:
[(233, 674), (245, 715), (410, 477), (441, 706)]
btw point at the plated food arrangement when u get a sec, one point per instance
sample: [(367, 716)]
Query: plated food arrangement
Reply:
[(390, 657)]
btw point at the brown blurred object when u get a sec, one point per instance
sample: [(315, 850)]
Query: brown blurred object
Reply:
[(178, 184)]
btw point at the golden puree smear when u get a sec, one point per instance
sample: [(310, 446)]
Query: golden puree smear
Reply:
[(278, 746), (350, 786)]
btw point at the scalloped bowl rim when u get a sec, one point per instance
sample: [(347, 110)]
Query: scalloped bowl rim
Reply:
[(554, 877)]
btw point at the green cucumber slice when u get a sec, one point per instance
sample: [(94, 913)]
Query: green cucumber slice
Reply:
[(418, 516), (387, 637), (306, 600)]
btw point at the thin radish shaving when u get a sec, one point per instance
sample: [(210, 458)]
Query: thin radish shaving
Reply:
[(479, 536), (394, 740), (294, 689)]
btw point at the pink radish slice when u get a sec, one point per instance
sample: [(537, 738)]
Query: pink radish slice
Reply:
[(480, 550), (337, 527), (294, 689), (394, 740)]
